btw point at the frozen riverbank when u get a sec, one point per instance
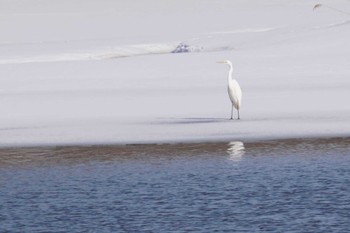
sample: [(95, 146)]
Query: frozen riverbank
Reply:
[(116, 81)]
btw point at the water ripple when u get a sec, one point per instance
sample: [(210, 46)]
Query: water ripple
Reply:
[(271, 186)]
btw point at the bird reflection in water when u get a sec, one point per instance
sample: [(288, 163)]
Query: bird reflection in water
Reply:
[(236, 150)]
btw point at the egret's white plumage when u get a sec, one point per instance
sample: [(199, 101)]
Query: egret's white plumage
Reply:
[(234, 90)]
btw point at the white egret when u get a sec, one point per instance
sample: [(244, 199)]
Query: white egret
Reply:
[(234, 90)]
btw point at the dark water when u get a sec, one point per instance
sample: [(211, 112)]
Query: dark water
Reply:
[(278, 186)]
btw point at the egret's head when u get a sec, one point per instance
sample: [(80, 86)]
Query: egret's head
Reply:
[(227, 62)]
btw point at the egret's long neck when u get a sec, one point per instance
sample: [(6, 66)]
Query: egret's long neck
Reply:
[(229, 77)]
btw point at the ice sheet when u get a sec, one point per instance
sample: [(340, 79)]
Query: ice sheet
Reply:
[(104, 72)]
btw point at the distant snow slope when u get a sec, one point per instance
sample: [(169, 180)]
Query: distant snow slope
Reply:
[(92, 72)]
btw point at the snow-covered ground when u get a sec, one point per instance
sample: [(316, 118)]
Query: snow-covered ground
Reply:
[(102, 71)]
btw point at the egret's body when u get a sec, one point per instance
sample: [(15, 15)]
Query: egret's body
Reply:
[(234, 90)]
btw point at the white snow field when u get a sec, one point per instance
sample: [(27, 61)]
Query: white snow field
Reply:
[(102, 72)]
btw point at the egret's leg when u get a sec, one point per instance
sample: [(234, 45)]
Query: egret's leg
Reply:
[(238, 113), (231, 113)]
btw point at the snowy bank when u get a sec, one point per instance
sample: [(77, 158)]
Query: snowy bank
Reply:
[(105, 72)]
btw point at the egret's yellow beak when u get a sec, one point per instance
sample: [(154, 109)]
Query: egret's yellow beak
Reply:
[(221, 62)]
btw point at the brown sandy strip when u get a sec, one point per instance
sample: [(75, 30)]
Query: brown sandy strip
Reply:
[(72, 155)]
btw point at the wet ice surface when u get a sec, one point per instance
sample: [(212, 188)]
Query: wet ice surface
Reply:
[(275, 186)]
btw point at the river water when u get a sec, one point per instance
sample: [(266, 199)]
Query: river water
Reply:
[(271, 186)]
